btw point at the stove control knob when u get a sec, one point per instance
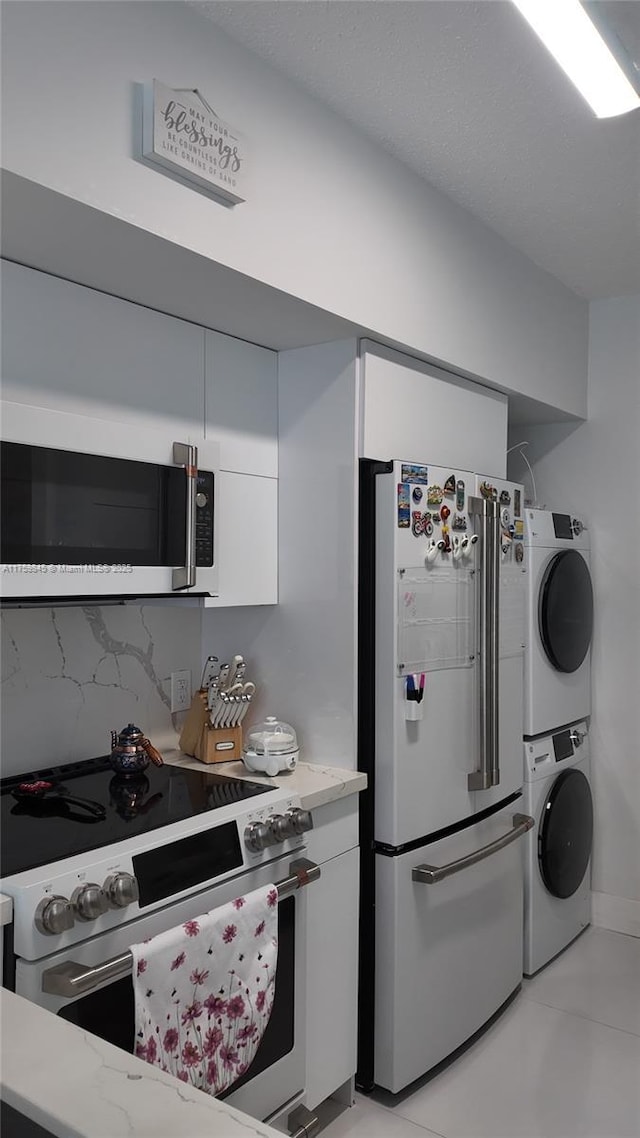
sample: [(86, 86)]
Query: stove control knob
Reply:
[(281, 828), (301, 820), (257, 837), (89, 901), (121, 890), (54, 915)]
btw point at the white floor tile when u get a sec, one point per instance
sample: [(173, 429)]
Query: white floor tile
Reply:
[(368, 1119), (537, 1073), (598, 976)]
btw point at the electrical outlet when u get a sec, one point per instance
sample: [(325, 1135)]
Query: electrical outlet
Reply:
[(180, 691)]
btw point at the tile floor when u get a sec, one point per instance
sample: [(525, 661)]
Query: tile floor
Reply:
[(563, 1061)]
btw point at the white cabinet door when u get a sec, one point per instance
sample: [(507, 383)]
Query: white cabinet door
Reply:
[(332, 985), (242, 404), (247, 541), (75, 349), (417, 412)]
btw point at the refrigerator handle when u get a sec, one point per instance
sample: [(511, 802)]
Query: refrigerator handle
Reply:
[(488, 774), (432, 874)]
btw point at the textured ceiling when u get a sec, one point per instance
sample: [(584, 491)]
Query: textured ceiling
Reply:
[(466, 96)]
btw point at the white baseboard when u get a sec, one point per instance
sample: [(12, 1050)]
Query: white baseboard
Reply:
[(616, 913)]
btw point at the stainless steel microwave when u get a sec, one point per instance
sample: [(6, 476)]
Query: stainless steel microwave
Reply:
[(95, 508)]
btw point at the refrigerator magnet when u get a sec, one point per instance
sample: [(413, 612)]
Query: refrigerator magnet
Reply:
[(404, 520), (417, 523), (414, 472)]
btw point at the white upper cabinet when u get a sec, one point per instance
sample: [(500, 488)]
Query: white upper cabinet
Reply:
[(418, 412), (74, 349), (247, 540), (241, 405)]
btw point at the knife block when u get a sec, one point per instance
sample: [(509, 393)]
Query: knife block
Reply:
[(207, 743)]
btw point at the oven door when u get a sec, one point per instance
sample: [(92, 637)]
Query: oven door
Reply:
[(276, 1075), (131, 513)]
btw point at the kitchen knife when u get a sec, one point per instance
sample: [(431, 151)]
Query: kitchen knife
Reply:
[(236, 664), (223, 677), (210, 670)]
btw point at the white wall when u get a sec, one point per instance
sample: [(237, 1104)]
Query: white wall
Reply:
[(331, 218), (593, 471), (303, 651)]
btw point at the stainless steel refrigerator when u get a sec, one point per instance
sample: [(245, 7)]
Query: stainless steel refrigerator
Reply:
[(441, 640)]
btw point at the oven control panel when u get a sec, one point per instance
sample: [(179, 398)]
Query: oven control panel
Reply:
[(71, 900), (278, 828)]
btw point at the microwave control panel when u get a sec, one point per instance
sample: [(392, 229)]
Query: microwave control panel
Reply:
[(204, 519)]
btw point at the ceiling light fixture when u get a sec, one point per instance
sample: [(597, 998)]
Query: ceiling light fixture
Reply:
[(575, 43)]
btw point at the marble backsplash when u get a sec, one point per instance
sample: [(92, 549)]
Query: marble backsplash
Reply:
[(71, 674)]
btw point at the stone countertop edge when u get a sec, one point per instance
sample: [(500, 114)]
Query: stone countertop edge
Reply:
[(6, 910), (77, 1086), (315, 783)]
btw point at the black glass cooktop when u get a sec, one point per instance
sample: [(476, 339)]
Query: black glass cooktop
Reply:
[(87, 805)]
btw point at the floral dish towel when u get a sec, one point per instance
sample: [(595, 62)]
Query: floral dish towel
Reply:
[(204, 991)]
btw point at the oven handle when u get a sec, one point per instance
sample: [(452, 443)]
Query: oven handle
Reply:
[(72, 979), (186, 455)]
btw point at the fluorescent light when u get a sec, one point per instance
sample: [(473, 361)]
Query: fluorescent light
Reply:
[(573, 40)]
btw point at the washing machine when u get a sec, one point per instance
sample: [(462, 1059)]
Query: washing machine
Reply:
[(557, 663), (557, 851)]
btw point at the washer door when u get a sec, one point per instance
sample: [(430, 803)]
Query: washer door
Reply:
[(566, 610), (565, 834)]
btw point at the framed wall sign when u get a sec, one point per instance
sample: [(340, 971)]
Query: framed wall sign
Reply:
[(182, 134)]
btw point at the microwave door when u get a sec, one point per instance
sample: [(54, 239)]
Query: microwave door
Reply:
[(128, 515)]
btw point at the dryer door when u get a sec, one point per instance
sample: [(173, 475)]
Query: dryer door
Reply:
[(566, 610), (565, 834)]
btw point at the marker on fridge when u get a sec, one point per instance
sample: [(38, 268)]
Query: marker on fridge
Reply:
[(413, 693)]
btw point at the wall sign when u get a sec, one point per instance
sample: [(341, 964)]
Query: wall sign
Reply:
[(183, 134)]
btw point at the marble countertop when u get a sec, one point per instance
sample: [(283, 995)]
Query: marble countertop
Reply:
[(77, 1086), (316, 783)]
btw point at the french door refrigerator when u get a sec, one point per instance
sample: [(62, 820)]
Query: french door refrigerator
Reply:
[(441, 640)]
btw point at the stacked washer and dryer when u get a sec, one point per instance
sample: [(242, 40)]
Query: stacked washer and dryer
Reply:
[(557, 707)]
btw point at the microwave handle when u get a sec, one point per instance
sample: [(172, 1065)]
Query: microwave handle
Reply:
[(187, 456)]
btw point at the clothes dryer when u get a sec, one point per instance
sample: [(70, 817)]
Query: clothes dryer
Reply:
[(557, 665), (557, 851)]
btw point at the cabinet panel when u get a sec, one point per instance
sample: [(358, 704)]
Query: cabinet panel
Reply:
[(416, 411), (332, 966), (247, 541), (74, 349), (335, 828), (242, 404)]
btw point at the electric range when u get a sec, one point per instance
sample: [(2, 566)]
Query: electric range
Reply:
[(84, 849)]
